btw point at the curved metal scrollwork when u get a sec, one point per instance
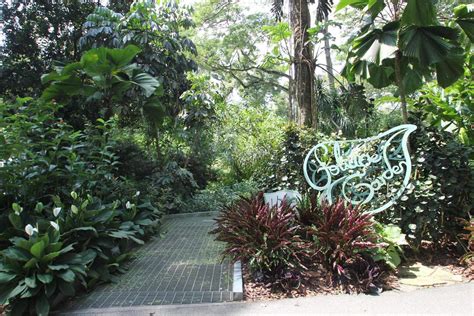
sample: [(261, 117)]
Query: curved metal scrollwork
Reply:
[(362, 170)]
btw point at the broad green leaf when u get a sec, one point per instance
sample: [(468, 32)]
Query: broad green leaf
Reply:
[(15, 220), (465, 19), (146, 82), (30, 263), (429, 45), (88, 256), (50, 256), (67, 276), (394, 258), (45, 278), (121, 57), (6, 277), (31, 281), (42, 306), (419, 12), (16, 254), (37, 249), (412, 81), (377, 45), (380, 76), (375, 7), (359, 4), (449, 70)]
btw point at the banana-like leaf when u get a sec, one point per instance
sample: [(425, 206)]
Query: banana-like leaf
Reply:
[(419, 12), (428, 44), (465, 19), (378, 44)]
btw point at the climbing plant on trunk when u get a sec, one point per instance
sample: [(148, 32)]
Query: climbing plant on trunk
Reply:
[(405, 44), (303, 60)]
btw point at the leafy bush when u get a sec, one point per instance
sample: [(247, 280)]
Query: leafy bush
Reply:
[(216, 196), (285, 169), (441, 190), (40, 271), (51, 175), (264, 237)]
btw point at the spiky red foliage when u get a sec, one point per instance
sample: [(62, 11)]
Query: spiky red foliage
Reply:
[(341, 231), (264, 237)]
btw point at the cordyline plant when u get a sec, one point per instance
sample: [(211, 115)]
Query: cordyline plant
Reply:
[(343, 235), (265, 237)]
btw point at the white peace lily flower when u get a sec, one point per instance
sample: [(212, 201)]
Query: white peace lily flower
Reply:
[(128, 205), (138, 193), (30, 229), (55, 225), (56, 211)]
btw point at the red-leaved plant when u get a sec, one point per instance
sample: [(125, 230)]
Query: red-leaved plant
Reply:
[(264, 237), (342, 235)]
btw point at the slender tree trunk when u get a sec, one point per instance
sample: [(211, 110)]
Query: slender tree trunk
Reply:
[(303, 61), (401, 88), (327, 52)]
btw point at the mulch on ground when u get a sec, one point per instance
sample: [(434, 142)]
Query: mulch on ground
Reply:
[(319, 281)]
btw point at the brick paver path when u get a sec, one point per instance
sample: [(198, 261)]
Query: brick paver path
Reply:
[(183, 266)]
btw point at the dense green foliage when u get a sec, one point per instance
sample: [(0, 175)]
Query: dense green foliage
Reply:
[(63, 188), (114, 114)]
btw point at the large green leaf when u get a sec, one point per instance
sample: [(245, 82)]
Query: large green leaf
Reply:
[(359, 4), (428, 44), (37, 249), (465, 18), (380, 76), (122, 57), (45, 278), (378, 44), (16, 254), (42, 305), (6, 277), (450, 69), (145, 81), (67, 276), (419, 12), (412, 80)]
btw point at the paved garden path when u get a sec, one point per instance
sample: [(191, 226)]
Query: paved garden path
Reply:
[(182, 267)]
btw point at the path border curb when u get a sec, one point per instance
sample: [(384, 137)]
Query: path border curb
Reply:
[(238, 283)]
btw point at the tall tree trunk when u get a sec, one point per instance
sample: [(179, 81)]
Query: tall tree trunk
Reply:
[(401, 87), (303, 64), (398, 72), (327, 52)]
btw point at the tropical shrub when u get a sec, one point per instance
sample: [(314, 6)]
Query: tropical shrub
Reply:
[(285, 168), (441, 189), (265, 238), (54, 176), (37, 272), (217, 196)]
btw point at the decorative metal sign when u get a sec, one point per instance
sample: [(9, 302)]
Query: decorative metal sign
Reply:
[(373, 171)]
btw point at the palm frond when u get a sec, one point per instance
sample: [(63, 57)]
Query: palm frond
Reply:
[(323, 9)]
